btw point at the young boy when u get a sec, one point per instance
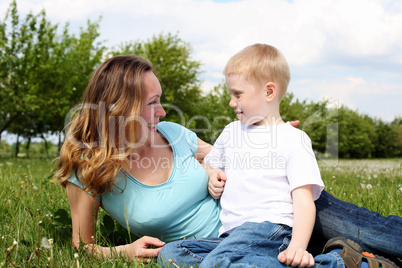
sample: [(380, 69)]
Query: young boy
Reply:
[(272, 174), (269, 174)]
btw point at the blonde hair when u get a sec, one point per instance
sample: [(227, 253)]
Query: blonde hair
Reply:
[(261, 63), (96, 143)]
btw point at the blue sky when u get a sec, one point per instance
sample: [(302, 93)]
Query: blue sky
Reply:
[(347, 52)]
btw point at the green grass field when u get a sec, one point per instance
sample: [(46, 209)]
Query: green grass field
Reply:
[(35, 209)]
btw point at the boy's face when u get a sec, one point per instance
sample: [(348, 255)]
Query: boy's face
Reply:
[(247, 100)]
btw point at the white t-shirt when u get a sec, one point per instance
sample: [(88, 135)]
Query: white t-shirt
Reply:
[(263, 164)]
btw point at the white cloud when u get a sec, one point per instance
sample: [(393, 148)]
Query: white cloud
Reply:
[(375, 99), (334, 42)]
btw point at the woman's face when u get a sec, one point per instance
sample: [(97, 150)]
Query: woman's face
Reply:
[(152, 109)]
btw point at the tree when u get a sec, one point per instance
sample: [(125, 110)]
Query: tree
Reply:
[(216, 113), (176, 71), (356, 134), (42, 73)]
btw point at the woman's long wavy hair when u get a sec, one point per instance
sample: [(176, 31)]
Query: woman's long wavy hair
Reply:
[(102, 132)]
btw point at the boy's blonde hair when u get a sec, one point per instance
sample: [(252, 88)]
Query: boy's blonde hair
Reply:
[(261, 63)]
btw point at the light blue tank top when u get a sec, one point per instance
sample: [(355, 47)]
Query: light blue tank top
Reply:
[(179, 208)]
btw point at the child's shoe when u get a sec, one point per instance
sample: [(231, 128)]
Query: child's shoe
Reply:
[(353, 255)]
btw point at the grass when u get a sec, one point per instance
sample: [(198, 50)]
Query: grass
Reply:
[(34, 209)]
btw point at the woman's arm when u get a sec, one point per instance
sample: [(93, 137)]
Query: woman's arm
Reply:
[(203, 149), (303, 224), (84, 210)]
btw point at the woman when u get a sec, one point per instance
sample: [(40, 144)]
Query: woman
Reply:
[(148, 177)]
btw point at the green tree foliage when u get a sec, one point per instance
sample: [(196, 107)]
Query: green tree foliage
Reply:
[(215, 113), (177, 72), (42, 73)]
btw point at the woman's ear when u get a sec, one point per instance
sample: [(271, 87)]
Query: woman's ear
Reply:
[(271, 91)]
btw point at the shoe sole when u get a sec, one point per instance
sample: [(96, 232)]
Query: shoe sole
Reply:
[(342, 242)]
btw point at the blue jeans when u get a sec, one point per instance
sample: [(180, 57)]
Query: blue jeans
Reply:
[(372, 231), (249, 245)]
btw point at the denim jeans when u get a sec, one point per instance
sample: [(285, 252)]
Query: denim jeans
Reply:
[(372, 231), (249, 245)]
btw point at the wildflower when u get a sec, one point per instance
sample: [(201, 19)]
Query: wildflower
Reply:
[(9, 163), (51, 181), (369, 186), (45, 243), (375, 176), (362, 185), (76, 256), (35, 188)]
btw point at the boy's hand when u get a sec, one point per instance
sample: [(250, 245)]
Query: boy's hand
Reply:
[(299, 257), (216, 183)]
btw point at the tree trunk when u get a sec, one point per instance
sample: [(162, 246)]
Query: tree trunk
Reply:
[(17, 146), (46, 147), (7, 124), (60, 143), (28, 144)]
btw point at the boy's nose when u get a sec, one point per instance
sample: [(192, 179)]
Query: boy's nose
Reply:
[(232, 103)]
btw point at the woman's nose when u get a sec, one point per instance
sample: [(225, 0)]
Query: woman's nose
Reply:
[(160, 112)]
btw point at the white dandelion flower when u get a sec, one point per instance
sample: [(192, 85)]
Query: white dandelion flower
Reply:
[(45, 243), (369, 186)]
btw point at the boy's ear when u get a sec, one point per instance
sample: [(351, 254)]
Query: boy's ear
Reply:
[(271, 90)]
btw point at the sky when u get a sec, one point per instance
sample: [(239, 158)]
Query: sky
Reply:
[(346, 52)]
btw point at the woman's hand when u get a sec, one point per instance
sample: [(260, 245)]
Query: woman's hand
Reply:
[(295, 123), (139, 248), (216, 183)]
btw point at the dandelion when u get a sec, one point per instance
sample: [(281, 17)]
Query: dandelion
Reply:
[(51, 251), (45, 243), (51, 181), (375, 176), (362, 185), (369, 186), (35, 188), (76, 256), (9, 163)]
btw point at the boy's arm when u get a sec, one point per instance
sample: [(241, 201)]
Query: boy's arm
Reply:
[(303, 224)]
